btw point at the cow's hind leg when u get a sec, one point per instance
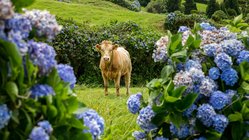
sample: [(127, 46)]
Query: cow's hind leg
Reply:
[(117, 83), (105, 79), (127, 83)]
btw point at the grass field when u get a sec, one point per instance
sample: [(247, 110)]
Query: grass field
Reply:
[(119, 122), (98, 12)]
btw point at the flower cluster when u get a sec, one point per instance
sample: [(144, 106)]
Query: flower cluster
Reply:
[(145, 117), (42, 131), (41, 91), (67, 74), (6, 9), (160, 54), (93, 121), (133, 103), (5, 115)]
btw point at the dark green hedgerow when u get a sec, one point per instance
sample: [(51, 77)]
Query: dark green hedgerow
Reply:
[(75, 45)]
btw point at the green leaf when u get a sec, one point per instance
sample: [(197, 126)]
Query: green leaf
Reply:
[(73, 122), (170, 87), (167, 71), (245, 112), (237, 19), (71, 104), (176, 119), (175, 43), (171, 99), (51, 111), (186, 102), (244, 70), (235, 117), (19, 4), (245, 86), (180, 54), (12, 90), (237, 131), (178, 91)]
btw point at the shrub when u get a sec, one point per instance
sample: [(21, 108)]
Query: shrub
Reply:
[(131, 5), (157, 6), (231, 12), (173, 5), (144, 2), (232, 4), (212, 7), (37, 94), (75, 45), (202, 92), (189, 6), (219, 15), (202, 1), (174, 20)]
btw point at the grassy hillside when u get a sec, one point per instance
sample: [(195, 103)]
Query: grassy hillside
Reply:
[(98, 12), (119, 122)]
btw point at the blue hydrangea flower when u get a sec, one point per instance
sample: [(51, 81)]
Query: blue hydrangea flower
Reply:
[(42, 55), (230, 76), (133, 103), (205, 114), (40, 90), (218, 100), (139, 135), (38, 133), (16, 38), (144, 119), (179, 67), (196, 74), (220, 123), (183, 29), (46, 126), (207, 86), (189, 111), (5, 115), (19, 23), (214, 73), (160, 138), (44, 23), (207, 26), (67, 74), (192, 64), (181, 132), (211, 49), (223, 61), (232, 47), (93, 121), (171, 17), (230, 93), (243, 56), (6, 9), (201, 138), (160, 54)]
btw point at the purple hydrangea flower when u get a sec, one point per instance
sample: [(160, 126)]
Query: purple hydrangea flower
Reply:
[(6, 9), (181, 132), (243, 56), (44, 23), (230, 76), (207, 26), (192, 64), (196, 74), (19, 23), (139, 135), (46, 126), (207, 86), (134, 103), (16, 38), (38, 133), (42, 55), (160, 55), (201, 138), (205, 114), (40, 90), (183, 29), (218, 100), (220, 123), (189, 111), (223, 61), (93, 121), (144, 119), (232, 47), (5, 115), (67, 74), (183, 78), (214, 73)]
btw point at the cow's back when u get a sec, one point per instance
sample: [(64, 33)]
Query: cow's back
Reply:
[(121, 60)]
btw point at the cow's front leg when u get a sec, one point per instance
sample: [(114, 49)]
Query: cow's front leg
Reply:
[(105, 79), (117, 83)]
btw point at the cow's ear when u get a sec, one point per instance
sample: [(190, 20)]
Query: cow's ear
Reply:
[(115, 46), (98, 47)]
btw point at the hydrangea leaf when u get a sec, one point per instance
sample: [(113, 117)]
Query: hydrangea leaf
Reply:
[(186, 102), (235, 117), (244, 70), (167, 71)]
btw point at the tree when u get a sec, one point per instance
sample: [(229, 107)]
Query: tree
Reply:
[(212, 7), (232, 4), (189, 5), (173, 5)]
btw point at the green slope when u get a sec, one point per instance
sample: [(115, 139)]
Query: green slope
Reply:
[(98, 12)]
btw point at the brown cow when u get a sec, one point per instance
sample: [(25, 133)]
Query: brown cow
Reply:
[(115, 62)]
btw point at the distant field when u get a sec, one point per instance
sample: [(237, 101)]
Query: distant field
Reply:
[(119, 122), (98, 12)]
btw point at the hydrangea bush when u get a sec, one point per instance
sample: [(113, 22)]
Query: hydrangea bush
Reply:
[(203, 89), (37, 99)]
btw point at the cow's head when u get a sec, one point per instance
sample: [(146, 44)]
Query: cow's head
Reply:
[(106, 49)]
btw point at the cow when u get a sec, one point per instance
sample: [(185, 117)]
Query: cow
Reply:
[(114, 62)]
